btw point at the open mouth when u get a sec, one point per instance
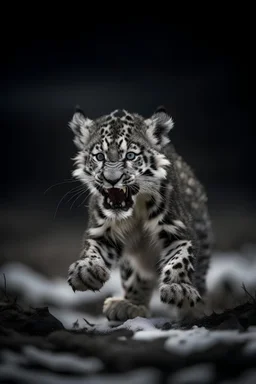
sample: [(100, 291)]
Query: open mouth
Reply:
[(118, 198)]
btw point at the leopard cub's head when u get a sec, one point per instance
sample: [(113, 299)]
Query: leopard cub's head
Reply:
[(120, 156)]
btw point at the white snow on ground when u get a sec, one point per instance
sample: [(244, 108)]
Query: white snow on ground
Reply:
[(227, 269), (38, 289), (185, 342), (201, 339)]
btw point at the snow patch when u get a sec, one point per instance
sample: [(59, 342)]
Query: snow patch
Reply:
[(38, 289), (185, 342)]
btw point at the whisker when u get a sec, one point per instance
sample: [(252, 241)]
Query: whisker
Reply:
[(76, 193), (84, 200), (79, 195), (60, 183), (67, 193)]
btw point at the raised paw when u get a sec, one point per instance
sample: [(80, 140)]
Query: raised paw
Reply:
[(117, 309), (87, 275), (180, 295)]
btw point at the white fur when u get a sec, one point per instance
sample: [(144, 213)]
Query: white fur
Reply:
[(84, 124)]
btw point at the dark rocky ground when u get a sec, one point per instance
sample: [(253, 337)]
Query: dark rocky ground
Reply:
[(35, 344)]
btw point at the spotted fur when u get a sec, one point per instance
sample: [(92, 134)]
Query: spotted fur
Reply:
[(158, 231)]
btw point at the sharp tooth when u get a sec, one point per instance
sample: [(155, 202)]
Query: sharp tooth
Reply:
[(123, 204), (124, 189), (108, 200)]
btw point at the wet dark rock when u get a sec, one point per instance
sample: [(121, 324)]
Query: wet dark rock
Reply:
[(231, 322), (245, 315), (166, 326), (34, 321)]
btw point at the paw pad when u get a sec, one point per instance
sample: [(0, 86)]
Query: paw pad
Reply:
[(117, 309)]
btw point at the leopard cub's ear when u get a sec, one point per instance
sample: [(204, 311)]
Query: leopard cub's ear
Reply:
[(158, 127), (81, 127)]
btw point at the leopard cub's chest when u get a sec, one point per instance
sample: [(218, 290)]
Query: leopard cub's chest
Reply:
[(140, 242)]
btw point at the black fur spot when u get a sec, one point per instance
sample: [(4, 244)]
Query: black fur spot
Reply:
[(190, 250), (159, 132), (157, 212), (185, 260), (145, 159), (150, 203), (179, 305), (177, 266), (148, 173), (152, 163), (126, 274), (181, 275), (167, 272), (166, 280), (163, 235)]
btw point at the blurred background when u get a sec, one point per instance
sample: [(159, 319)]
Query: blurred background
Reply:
[(202, 75)]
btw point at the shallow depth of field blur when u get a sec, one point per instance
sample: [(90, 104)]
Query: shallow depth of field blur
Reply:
[(199, 77)]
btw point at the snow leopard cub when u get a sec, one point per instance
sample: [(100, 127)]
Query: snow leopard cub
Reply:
[(147, 214)]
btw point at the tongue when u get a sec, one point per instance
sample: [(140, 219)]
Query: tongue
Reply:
[(116, 195)]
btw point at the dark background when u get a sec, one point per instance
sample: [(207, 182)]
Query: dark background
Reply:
[(203, 76)]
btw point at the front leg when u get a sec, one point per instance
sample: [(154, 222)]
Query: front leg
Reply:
[(93, 268), (137, 294), (176, 275)]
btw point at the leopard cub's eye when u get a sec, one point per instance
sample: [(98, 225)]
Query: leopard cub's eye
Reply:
[(130, 155), (100, 156)]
